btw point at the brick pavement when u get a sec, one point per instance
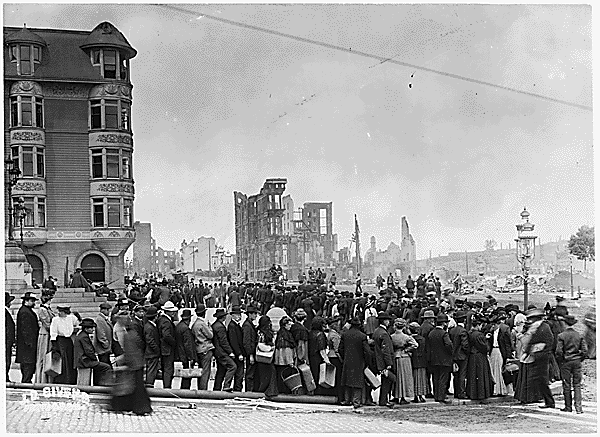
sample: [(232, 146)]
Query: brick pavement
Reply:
[(64, 417)]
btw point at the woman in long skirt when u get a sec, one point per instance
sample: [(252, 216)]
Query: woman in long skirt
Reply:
[(333, 345), (131, 394), (45, 315), (317, 350), (403, 345), (62, 328), (285, 351), (265, 380), (418, 361), (525, 391), (479, 376)]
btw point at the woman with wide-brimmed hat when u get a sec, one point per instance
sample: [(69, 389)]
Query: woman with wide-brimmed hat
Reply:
[(265, 379), (45, 316)]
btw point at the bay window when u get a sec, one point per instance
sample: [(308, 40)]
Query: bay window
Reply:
[(110, 64), (110, 114), (35, 212), (112, 212), (27, 111), (30, 160), (113, 65), (111, 163), (26, 56)]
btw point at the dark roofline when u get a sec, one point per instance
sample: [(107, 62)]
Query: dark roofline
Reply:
[(42, 29)]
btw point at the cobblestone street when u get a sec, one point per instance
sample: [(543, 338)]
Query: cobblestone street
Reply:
[(70, 418)]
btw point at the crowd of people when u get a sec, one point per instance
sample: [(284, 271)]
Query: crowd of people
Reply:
[(409, 343)]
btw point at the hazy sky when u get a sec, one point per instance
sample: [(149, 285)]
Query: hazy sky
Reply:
[(459, 159)]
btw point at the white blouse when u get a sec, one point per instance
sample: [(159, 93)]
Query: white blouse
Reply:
[(63, 326)]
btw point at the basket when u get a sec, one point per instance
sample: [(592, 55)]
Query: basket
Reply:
[(291, 378)]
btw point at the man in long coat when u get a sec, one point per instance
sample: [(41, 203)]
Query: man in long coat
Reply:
[(439, 351), (235, 336), (224, 355), (186, 348), (250, 341), (540, 347), (460, 354), (27, 337), (10, 331), (79, 280), (384, 357), (168, 344), (103, 339), (354, 351), (152, 346)]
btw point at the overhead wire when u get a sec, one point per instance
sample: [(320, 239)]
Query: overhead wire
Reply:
[(382, 59)]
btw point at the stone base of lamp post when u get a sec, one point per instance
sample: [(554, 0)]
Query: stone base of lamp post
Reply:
[(18, 270)]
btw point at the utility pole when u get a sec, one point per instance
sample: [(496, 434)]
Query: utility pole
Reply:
[(357, 237), (571, 258), (467, 261)]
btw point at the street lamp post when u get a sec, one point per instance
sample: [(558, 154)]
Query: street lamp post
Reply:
[(13, 178), (21, 213), (525, 250)]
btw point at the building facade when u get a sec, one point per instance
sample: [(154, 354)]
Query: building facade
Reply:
[(259, 238), (143, 249), (198, 255), (67, 99)]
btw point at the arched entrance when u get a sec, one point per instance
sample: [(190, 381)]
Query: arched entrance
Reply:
[(38, 269), (93, 268)]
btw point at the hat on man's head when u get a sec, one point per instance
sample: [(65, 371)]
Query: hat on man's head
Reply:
[(460, 315), (382, 315), (65, 308), (534, 312), (78, 269), (478, 304), (201, 309), (441, 318), (531, 307), (29, 296), (169, 307), (87, 323), (220, 313), (354, 321), (251, 310), (235, 310), (151, 312), (105, 306), (429, 314), (186, 314), (139, 308)]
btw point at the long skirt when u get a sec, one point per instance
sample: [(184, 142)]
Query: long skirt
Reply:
[(68, 374), (496, 368), (553, 368), (265, 379), (43, 347), (421, 386), (404, 387), (525, 391), (138, 401), (480, 383)]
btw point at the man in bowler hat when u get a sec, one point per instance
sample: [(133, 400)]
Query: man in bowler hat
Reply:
[(84, 354), (224, 355), (439, 350), (27, 337), (384, 357)]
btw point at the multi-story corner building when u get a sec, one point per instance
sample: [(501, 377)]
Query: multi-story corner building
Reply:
[(67, 99), (259, 238)]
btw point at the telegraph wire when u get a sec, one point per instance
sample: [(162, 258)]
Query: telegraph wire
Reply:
[(382, 59)]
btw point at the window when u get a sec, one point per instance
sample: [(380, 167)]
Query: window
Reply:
[(97, 164), (22, 111), (98, 212), (30, 160), (323, 221), (26, 119), (124, 69), (110, 64), (114, 212), (35, 212), (112, 163), (127, 213), (41, 212), (126, 165), (125, 115), (111, 109), (110, 114), (96, 114), (26, 56), (95, 57)]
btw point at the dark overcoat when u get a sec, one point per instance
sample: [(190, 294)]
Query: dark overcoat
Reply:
[(354, 352), (10, 331), (384, 349), (186, 348), (151, 340), (220, 340), (460, 343), (439, 348), (236, 339), (84, 354), (166, 329), (250, 337), (27, 335)]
